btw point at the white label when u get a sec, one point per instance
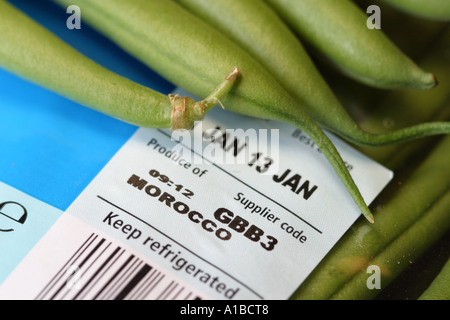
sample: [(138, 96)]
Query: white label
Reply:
[(228, 229), (233, 217), (74, 261)]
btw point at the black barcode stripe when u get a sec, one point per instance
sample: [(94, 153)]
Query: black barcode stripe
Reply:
[(126, 279), (82, 272), (91, 253), (155, 281), (133, 282), (116, 283), (165, 292), (138, 292), (169, 293), (178, 293), (101, 277), (149, 282), (63, 285), (111, 273), (60, 273), (159, 277), (96, 273), (70, 264), (110, 280)]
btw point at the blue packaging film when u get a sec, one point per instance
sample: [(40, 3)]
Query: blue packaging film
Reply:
[(50, 147)]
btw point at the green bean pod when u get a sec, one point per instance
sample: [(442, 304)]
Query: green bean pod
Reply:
[(192, 55), (414, 217), (29, 50), (359, 99), (267, 38), (429, 9), (338, 31), (439, 288), (432, 105), (409, 33), (32, 52), (404, 250)]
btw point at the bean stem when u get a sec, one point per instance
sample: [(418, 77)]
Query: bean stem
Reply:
[(334, 158), (398, 136), (186, 111)]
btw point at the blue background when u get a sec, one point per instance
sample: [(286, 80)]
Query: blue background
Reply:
[(50, 147)]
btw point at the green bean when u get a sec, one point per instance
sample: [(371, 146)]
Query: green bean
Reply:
[(439, 288), (359, 99), (408, 208), (32, 52), (338, 30), (418, 105), (192, 55), (400, 26), (404, 250), (431, 9), (266, 37)]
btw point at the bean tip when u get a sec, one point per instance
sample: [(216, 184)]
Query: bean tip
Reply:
[(430, 81), (370, 218), (233, 74), (368, 215), (435, 79)]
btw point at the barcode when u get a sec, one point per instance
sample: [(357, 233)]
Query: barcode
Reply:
[(102, 270)]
